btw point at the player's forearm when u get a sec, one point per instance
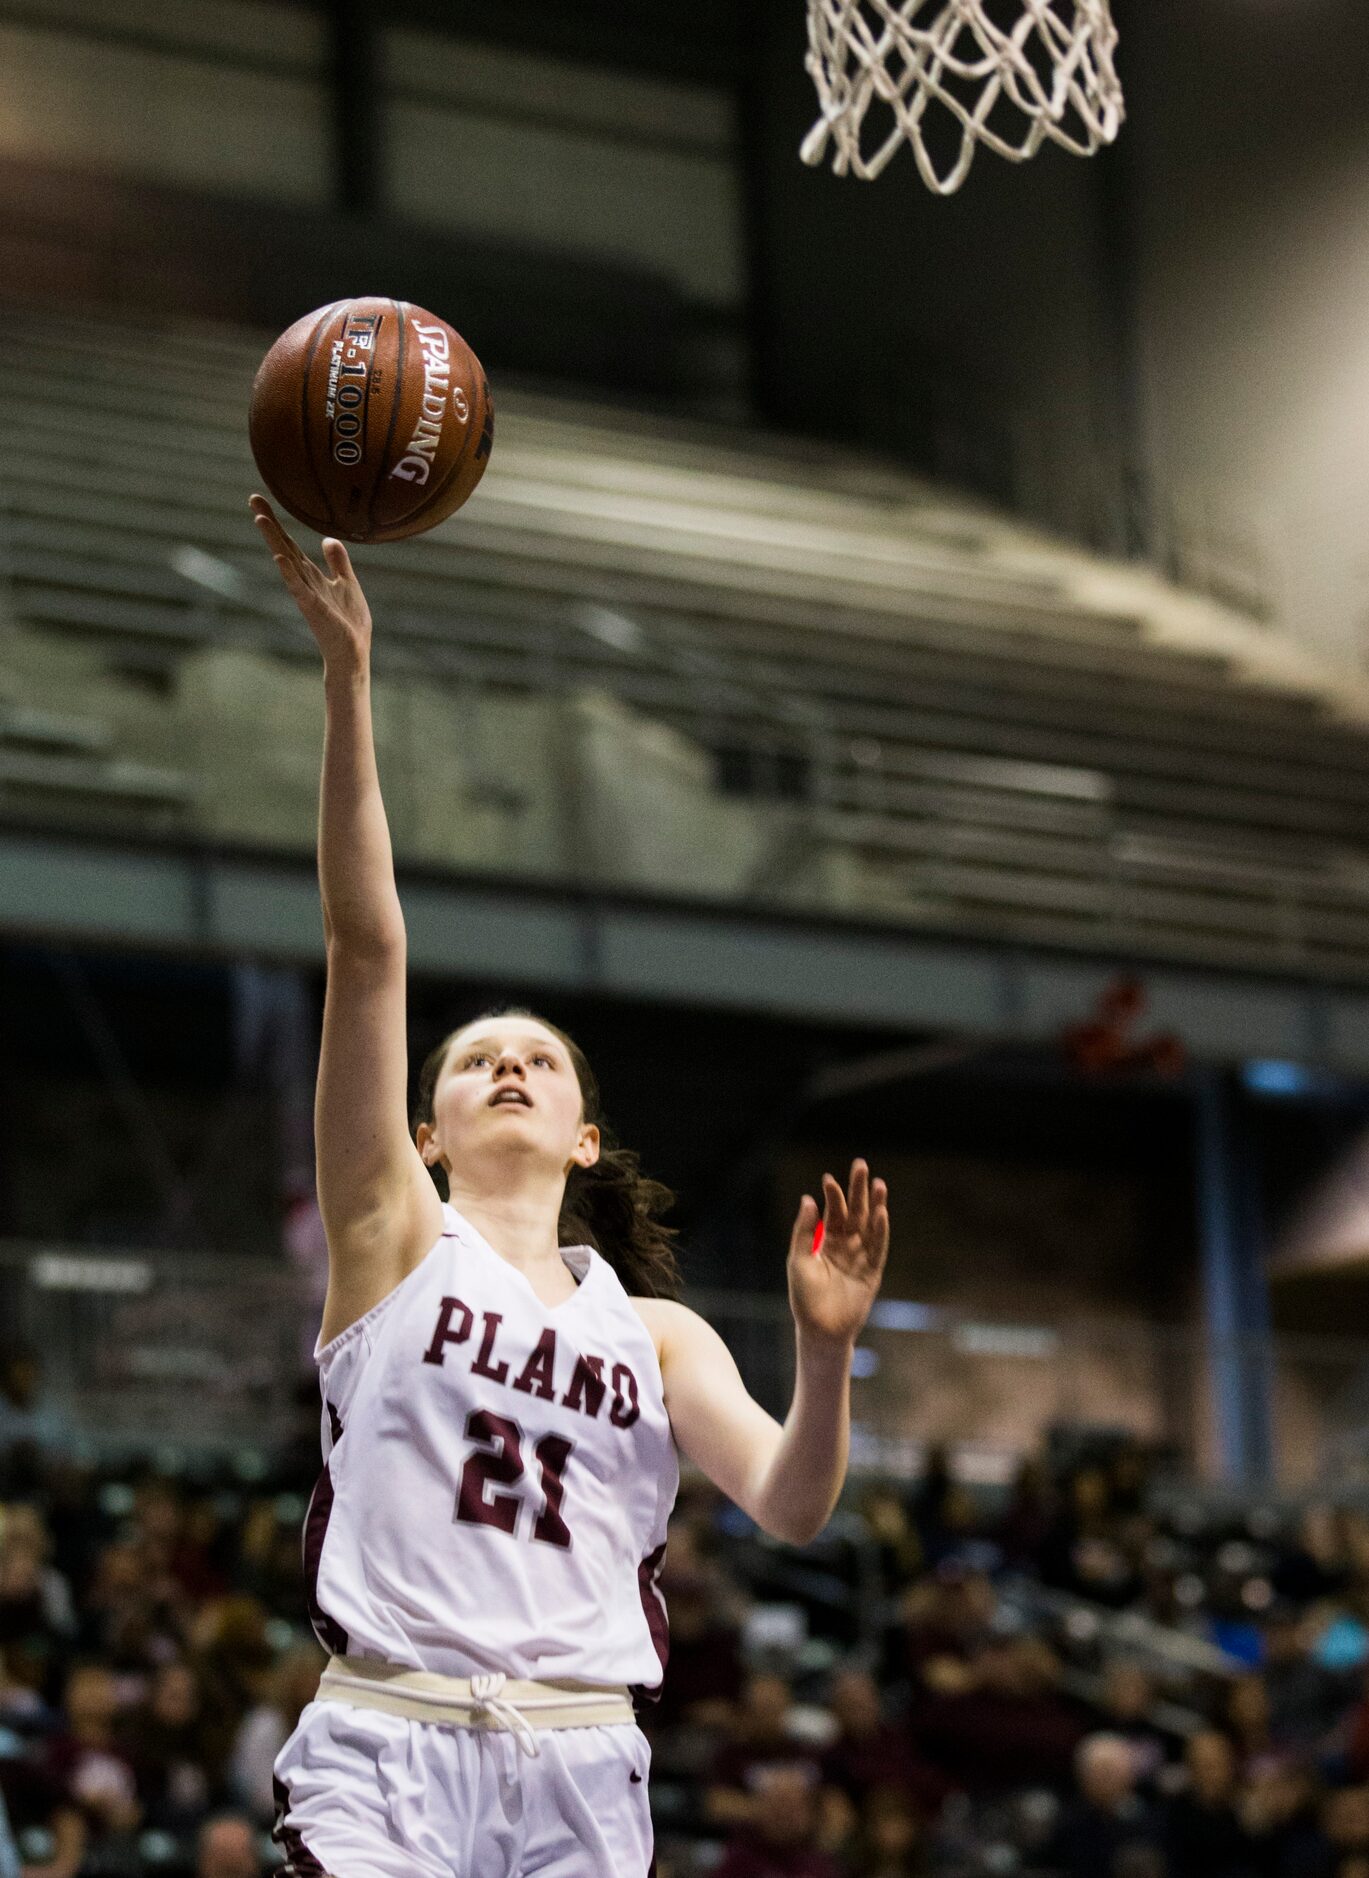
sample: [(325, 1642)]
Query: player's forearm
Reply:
[(804, 1479), (356, 864)]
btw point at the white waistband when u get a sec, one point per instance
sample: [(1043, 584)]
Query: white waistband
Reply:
[(489, 1701)]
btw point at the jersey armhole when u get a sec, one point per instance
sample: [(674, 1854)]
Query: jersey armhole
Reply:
[(324, 1352)]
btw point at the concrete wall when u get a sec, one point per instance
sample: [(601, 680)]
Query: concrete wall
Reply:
[(229, 98), (1249, 145)]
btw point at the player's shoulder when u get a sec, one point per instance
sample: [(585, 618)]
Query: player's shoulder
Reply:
[(665, 1319)]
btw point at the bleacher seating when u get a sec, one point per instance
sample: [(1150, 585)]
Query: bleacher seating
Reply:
[(915, 689)]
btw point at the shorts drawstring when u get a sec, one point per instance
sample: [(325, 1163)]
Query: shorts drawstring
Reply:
[(485, 1691)]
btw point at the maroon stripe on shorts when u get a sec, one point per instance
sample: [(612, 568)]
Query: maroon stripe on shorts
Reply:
[(653, 1609), (329, 1633), (299, 1860)]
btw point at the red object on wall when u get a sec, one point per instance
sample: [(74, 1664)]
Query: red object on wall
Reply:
[(1105, 1041)]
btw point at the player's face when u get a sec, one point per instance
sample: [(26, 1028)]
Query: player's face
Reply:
[(511, 1084)]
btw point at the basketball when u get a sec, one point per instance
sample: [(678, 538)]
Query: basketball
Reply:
[(371, 419)]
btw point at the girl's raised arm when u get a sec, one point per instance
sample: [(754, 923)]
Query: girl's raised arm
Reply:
[(380, 1209)]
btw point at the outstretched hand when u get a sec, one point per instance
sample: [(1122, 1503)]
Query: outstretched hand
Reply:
[(331, 600), (832, 1286)]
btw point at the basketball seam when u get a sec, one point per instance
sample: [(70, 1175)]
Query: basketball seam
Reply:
[(396, 399)]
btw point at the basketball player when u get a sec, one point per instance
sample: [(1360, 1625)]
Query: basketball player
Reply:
[(503, 1402)]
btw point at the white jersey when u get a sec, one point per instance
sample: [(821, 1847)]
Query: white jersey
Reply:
[(498, 1474)]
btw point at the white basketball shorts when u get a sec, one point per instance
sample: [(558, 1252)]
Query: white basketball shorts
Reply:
[(361, 1794)]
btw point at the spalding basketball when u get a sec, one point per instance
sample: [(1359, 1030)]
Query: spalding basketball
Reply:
[(371, 420)]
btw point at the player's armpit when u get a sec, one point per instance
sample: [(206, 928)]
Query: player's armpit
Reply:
[(717, 1425)]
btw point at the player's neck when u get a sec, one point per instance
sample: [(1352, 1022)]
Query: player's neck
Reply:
[(520, 1223)]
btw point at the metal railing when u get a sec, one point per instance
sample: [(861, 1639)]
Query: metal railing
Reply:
[(154, 1350)]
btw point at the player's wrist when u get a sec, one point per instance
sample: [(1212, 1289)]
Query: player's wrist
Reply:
[(347, 669)]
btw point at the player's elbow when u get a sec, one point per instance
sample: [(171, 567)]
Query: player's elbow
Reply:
[(793, 1531)]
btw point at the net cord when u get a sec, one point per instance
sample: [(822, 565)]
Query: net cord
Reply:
[(864, 52)]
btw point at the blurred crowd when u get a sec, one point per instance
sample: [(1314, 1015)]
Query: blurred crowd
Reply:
[(1083, 1674)]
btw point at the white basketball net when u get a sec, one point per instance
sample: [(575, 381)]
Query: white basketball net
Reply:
[(957, 74)]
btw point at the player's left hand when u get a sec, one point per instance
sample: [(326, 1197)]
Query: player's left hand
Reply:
[(831, 1289)]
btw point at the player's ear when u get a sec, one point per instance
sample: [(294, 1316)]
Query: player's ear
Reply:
[(587, 1148), (425, 1139)]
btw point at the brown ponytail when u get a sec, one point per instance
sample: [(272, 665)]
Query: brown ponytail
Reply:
[(612, 1206)]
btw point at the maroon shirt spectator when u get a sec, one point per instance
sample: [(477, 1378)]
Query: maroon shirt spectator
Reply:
[(871, 1751), (762, 1745), (706, 1668), (781, 1839), (84, 1761), (122, 1621), (1357, 1738), (193, 1561), (33, 1798), (1004, 1728), (761, 1749), (161, 1738), (945, 1616)]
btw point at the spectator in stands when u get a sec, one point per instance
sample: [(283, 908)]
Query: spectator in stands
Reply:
[(761, 1743), (269, 1564), (1085, 1553), (23, 1712), (779, 1838), (1106, 1819), (706, 1669), (32, 1428), (1003, 1725), (944, 1619), (227, 1848), (1245, 1716), (233, 1660), (9, 1852), (1204, 1835), (122, 1622), (1280, 1809), (1030, 1514), (871, 1750), (267, 1726), (1303, 1696), (1124, 1709), (35, 1598), (1314, 1565), (34, 1800), (942, 1510), (886, 1520), (928, 1491), (1354, 1731), (84, 1760), (890, 1841), (163, 1740), (73, 1517), (200, 1563), (1345, 1825)]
